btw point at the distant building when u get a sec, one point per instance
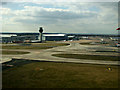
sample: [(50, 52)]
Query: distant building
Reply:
[(10, 38), (114, 38), (6, 38), (71, 37), (84, 37), (55, 37), (22, 37)]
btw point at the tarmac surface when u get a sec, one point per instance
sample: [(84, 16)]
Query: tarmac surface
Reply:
[(73, 48)]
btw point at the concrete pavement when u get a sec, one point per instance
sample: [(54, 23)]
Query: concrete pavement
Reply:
[(73, 48)]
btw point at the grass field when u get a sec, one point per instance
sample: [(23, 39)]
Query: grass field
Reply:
[(7, 52), (96, 43), (86, 43), (88, 57), (34, 46), (60, 75)]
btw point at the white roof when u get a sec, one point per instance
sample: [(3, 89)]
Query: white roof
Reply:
[(71, 36), (54, 34), (7, 35)]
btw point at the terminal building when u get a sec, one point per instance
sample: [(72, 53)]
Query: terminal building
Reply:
[(6, 38)]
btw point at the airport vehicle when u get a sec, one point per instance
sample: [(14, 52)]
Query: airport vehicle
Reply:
[(35, 41)]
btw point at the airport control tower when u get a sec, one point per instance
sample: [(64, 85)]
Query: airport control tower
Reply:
[(41, 33)]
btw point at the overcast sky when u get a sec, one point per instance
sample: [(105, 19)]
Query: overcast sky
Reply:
[(60, 17)]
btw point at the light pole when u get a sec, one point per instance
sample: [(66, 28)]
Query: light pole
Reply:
[(41, 30)]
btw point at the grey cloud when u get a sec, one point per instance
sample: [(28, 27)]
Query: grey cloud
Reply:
[(73, 19), (45, 16), (66, 15), (4, 3)]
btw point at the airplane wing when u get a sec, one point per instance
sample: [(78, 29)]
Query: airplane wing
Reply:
[(118, 28)]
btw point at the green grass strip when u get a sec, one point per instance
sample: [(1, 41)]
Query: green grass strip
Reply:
[(89, 57), (34, 46), (13, 52)]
